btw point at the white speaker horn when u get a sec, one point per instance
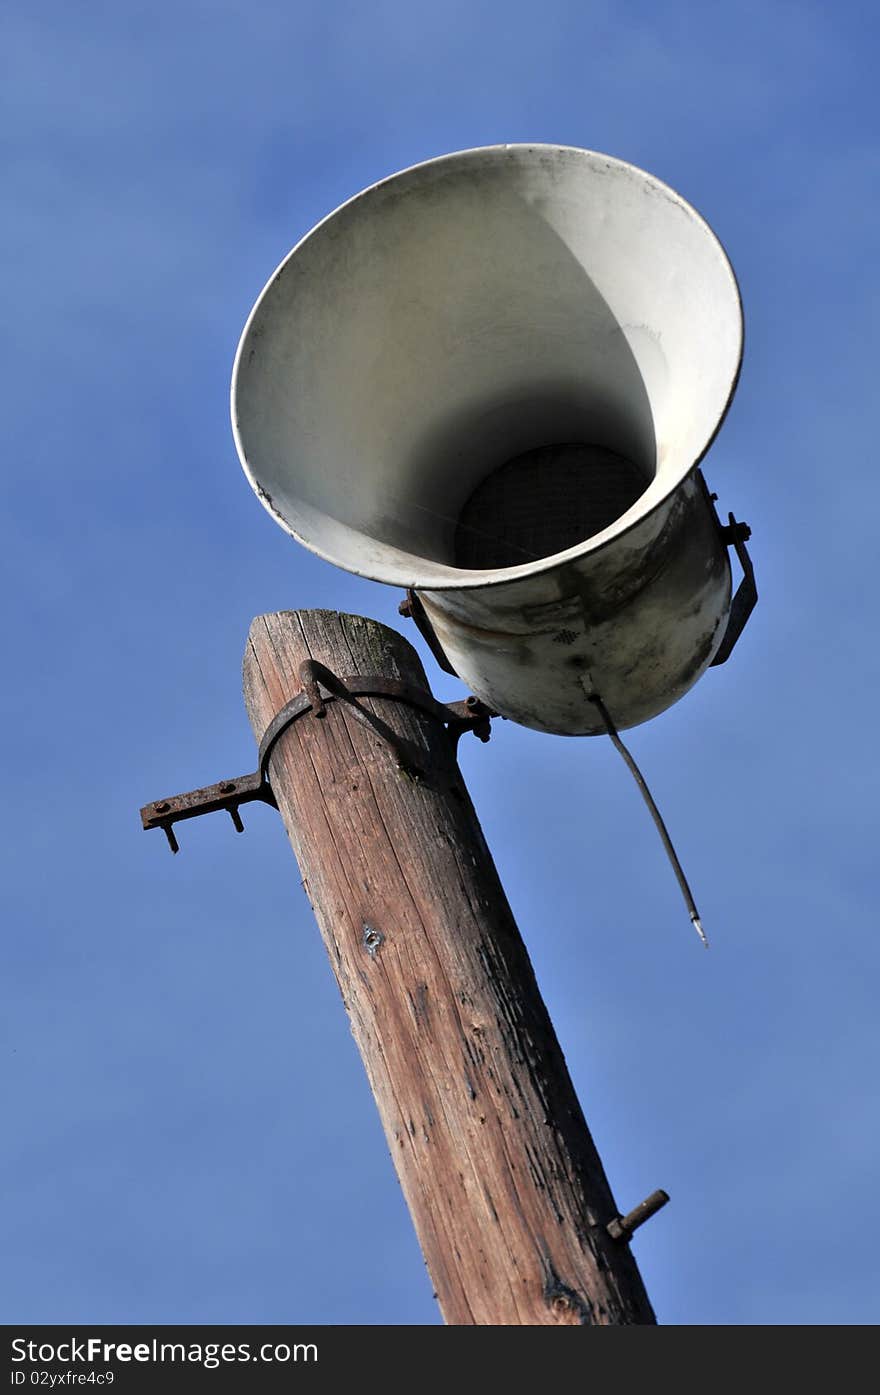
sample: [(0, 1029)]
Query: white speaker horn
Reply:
[(490, 379)]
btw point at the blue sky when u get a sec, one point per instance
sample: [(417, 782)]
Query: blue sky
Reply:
[(190, 1136)]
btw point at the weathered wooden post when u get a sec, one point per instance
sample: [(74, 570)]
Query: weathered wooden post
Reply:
[(503, 1182)]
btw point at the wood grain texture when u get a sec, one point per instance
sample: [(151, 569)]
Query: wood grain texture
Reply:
[(503, 1182)]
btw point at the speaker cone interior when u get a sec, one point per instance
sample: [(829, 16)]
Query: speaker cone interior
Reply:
[(494, 334)]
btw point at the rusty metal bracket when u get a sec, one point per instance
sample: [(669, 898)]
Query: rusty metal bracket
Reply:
[(227, 794), (457, 717), (622, 1227)]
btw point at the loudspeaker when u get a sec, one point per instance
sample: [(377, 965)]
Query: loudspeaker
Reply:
[(490, 379)]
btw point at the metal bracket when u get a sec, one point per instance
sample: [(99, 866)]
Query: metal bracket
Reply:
[(413, 609), (736, 535), (227, 794), (457, 717), (622, 1227)]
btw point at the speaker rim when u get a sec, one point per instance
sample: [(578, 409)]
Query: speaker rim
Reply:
[(475, 579)]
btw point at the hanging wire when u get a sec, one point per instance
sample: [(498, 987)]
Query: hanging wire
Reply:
[(655, 815)]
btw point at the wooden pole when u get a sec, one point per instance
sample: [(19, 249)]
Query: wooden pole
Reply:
[(502, 1179)]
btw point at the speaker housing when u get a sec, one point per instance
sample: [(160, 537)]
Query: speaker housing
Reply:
[(490, 379)]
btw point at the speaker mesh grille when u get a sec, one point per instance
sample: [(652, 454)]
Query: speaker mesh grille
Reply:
[(543, 502)]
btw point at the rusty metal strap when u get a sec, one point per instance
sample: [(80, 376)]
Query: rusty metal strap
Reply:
[(346, 689), (457, 717)]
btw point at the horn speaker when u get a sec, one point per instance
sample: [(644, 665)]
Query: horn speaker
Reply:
[(490, 379)]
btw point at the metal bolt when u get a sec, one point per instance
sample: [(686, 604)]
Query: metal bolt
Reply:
[(622, 1227)]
